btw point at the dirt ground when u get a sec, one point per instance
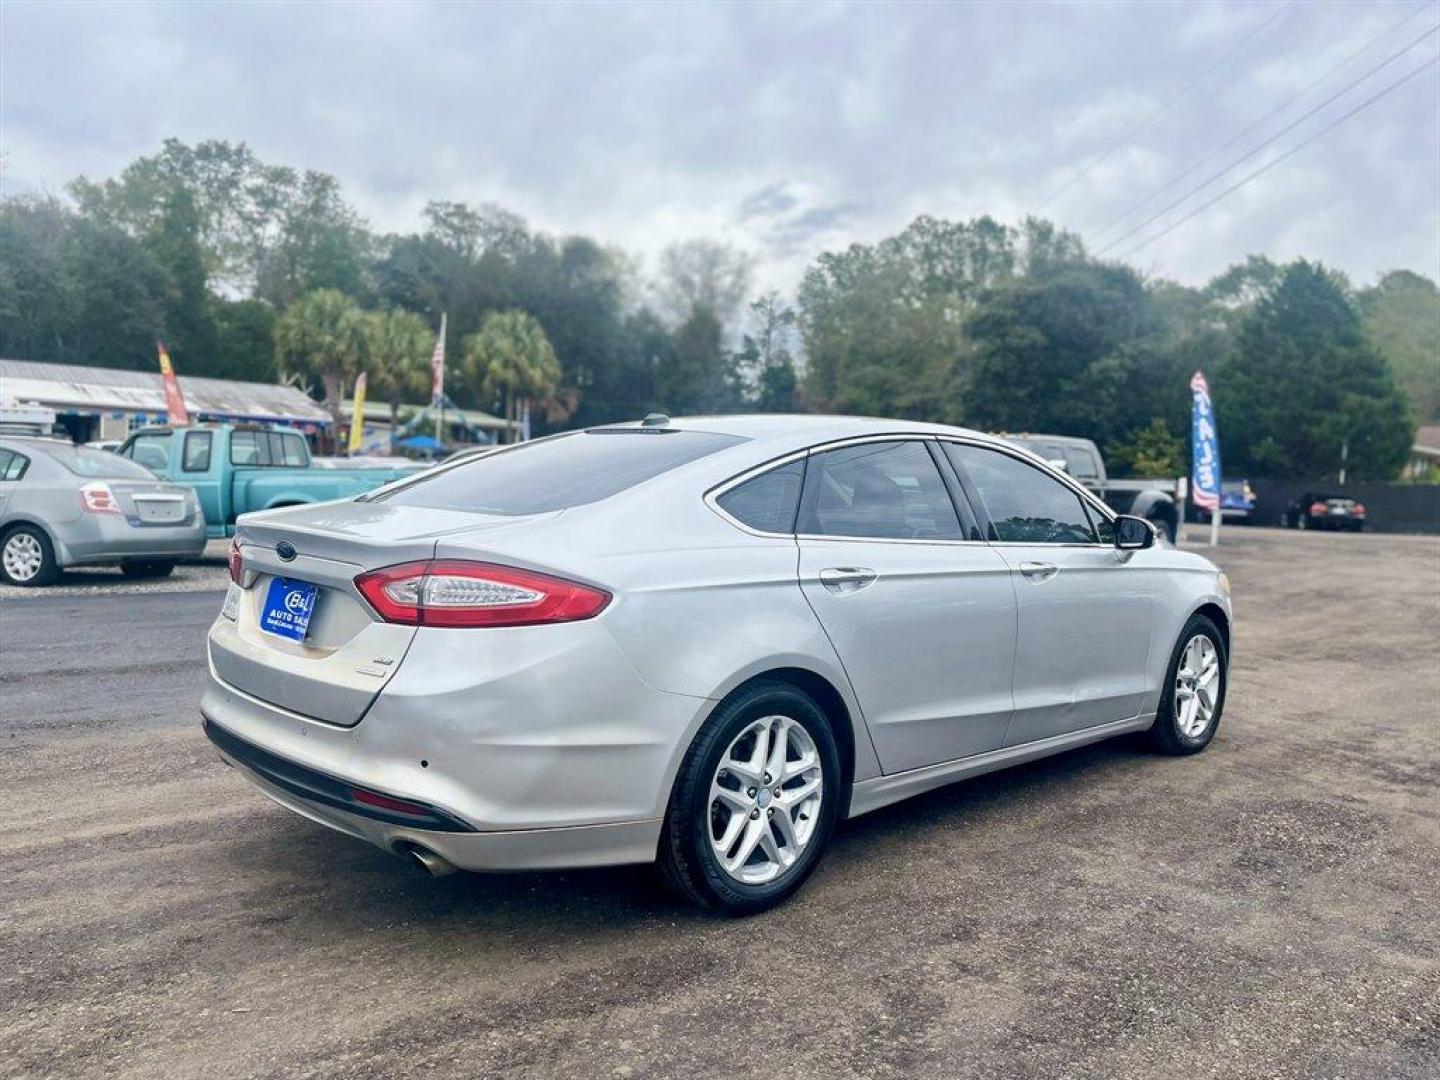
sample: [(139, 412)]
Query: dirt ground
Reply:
[(1270, 908)]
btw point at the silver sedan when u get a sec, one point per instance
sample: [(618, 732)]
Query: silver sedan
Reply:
[(64, 505), (700, 643)]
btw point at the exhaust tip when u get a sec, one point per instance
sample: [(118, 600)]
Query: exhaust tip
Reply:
[(427, 860)]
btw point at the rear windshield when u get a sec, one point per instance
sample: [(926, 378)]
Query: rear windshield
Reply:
[(555, 474), (83, 461)]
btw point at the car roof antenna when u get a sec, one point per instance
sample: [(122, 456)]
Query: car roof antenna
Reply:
[(655, 419)]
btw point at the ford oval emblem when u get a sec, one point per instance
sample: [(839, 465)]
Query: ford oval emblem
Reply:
[(286, 550)]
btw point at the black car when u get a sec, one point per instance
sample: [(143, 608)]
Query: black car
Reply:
[(1320, 510)]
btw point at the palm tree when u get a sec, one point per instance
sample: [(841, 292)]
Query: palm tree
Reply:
[(510, 359), (322, 335), (398, 343)]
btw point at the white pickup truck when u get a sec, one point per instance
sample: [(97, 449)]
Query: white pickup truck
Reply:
[(1157, 501)]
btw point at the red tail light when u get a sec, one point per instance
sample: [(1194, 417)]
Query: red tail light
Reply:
[(1317, 508), (237, 563), (97, 498), (1358, 510), (454, 592)]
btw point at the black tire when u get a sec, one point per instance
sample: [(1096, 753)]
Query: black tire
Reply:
[(147, 568), (686, 860), (49, 571), (1165, 525), (1165, 734)]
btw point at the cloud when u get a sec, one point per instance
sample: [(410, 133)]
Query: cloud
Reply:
[(786, 129)]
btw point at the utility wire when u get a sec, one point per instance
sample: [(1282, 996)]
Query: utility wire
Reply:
[(1288, 154), (1273, 138), (1130, 134), (1192, 166)]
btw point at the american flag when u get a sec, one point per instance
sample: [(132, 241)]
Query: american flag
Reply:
[(437, 365)]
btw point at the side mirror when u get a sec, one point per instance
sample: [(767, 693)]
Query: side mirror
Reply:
[(1133, 533)]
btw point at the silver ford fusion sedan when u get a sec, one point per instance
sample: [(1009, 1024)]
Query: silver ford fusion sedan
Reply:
[(698, 642)]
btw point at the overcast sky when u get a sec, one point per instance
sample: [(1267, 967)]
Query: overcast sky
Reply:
[(785, 129)]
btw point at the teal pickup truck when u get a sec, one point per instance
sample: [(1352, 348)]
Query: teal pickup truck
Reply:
[(236, 469)]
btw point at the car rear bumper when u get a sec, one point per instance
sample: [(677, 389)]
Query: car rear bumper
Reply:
[(105, 538), (528, 759), (456, 842)]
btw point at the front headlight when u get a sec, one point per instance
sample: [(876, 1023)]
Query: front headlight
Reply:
[(1223, 580)]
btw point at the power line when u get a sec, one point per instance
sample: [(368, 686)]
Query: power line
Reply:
[(1086, 170), (1192, 166), (1288, 154), (1273, 138)]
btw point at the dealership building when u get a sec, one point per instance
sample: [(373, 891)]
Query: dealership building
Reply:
[(108, 403)]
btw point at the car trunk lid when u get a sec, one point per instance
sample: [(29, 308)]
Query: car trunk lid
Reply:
[(152, 503), (344, 657)]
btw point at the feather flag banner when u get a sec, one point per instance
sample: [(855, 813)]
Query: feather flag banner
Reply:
[(175, 409), (437, 366), (1204, 446), (357, 416)]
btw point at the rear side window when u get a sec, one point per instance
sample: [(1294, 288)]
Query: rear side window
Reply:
[(768, 502), (878, 490), (197, 451), (1025, 505), (12, 465), (558, 473)]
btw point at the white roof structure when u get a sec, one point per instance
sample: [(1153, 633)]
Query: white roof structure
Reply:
[(70, 388), (1427, 442)]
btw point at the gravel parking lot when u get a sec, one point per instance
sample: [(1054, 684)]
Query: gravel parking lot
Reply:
[(196, 576), (1270, 908)]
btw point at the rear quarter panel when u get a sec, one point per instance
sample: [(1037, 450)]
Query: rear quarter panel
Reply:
[(700, 607)]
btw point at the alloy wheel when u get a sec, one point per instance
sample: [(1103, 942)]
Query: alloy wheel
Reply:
[(1197, 686), (765, 800), (22, 557)]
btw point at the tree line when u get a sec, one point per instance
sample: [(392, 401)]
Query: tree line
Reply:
[(254, 271)]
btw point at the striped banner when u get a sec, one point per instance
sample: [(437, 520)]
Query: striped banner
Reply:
[(1204, 447)]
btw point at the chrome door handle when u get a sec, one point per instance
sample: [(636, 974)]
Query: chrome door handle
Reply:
[(846, 578), (1039, 571)]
